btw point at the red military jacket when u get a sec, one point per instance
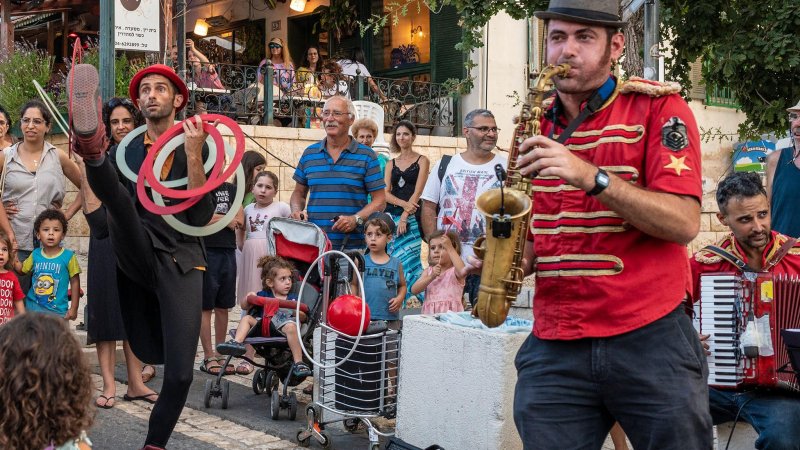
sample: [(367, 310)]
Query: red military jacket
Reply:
[(596, 275), (705, 261)]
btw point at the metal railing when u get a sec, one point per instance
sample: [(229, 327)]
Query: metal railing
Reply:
[(716, 96), (238, 91)]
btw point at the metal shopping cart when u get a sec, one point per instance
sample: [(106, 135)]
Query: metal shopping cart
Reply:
[(355, 380)]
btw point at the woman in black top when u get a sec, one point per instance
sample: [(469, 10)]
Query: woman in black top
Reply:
[(405, 178)]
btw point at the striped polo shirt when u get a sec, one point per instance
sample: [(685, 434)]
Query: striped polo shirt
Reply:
[(338, 188)]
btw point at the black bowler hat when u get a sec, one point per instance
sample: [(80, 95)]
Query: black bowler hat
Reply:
[(592, 12)]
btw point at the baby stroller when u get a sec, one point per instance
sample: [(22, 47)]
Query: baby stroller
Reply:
[(301, 243)]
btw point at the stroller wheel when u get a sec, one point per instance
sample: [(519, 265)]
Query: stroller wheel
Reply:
[(271, 382), (207, 394), (260, 381), (226, 390), (275, 404), (303, 442), (292, 406)]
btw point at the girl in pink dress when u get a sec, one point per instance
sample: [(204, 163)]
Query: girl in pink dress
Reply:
[(443, 280), (252, 238)]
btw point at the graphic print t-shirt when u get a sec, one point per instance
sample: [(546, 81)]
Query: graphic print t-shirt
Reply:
[(255, 218), (50, 280), (223, 201), (9, 293), (456, 195)]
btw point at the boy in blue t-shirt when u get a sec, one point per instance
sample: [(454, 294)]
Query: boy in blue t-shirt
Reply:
[(384, 282), (55, 270)]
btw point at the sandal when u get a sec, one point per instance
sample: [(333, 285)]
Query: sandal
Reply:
[(108, 402), (244, 368), (148, 375), (206, 366)]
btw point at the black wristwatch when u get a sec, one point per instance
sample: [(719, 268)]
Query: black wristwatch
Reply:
[(601, 181)]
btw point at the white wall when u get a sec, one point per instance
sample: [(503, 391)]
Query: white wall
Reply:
[(500, 72)]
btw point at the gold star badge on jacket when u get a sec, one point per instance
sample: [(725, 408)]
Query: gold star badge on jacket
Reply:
[(678, 164)]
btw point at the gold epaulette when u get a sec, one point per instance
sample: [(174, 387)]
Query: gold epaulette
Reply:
[(637, 85), (781, 238), (708, 257)]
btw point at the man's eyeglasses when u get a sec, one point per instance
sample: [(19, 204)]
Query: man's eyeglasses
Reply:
[(27, 121), (485, 130), (793, 116), (273, 45), (336, 114)]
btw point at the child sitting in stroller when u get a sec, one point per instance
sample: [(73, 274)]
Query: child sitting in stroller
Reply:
[(276, 279)]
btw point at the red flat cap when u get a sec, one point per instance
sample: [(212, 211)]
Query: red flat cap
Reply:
[(158, 69)]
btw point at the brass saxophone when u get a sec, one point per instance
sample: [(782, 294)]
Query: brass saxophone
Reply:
[(508, 213)]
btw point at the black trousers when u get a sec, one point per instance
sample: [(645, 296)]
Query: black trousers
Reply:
[(652, 380), (161, 305)]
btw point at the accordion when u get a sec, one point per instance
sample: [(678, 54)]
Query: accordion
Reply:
[(744, 314)]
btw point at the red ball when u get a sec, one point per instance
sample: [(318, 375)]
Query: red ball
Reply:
[(344, 314)]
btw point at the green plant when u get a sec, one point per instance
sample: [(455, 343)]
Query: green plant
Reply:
[(17, 72), (340, 19)]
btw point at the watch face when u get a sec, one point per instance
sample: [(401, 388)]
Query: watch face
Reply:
[(602, 178)]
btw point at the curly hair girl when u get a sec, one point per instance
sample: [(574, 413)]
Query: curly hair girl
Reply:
[(269, 266), (45, 390)]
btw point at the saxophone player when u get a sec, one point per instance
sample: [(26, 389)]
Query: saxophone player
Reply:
[(616, 197)]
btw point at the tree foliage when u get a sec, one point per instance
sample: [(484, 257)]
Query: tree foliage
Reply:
[(750, 47)]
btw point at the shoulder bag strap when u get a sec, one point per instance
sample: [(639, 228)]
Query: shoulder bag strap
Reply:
[(727, 256), (778, 256)]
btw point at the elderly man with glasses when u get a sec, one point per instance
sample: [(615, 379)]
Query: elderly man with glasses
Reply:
[(335, 175), (783, 180)]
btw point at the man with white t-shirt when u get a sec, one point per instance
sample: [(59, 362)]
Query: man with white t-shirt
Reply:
[(467, 175)]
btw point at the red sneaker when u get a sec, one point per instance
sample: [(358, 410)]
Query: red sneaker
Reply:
[(85, 108)]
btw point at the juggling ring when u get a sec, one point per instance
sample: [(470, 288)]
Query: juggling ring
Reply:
[(206, 229), (147, 168), (122, 163), (357, 274), (215, 180)]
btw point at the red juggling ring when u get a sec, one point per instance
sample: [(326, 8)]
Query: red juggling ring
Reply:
[(215, 179)]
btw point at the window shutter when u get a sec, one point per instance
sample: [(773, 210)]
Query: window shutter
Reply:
[(698, 91), (447, 62)]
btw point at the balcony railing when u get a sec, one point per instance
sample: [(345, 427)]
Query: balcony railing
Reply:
[(238, 92)]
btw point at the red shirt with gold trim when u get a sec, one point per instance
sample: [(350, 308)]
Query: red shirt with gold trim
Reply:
[(706, 262), (596, 275)]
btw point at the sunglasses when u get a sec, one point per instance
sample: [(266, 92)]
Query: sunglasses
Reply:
[(114, 102), (273, 45), (793, 116)]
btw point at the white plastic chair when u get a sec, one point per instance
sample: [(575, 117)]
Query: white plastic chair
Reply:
[(374, 111)]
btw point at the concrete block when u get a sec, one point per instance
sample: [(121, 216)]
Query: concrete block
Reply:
[(744, 436), (456, 386), (717, 226)]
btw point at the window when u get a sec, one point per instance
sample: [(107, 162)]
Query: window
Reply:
[(405, 45)]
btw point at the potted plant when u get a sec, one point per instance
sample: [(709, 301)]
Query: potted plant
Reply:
[(339, 18)]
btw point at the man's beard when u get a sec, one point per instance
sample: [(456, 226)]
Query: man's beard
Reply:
[(161, 112), (584, 78)]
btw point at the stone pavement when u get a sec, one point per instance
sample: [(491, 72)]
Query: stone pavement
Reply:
[(245, 424)]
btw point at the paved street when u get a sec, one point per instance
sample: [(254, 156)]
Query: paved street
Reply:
[(246, 423)]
